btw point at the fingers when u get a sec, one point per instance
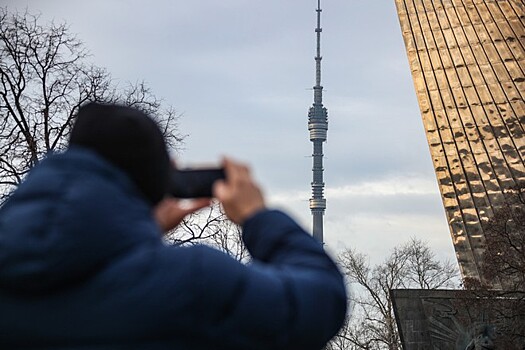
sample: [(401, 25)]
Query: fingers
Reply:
[(197, 204), (238, 172), (222, 188), (238, 193), (169, 213)]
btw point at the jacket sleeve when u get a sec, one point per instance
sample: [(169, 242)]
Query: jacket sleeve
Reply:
[(292, 296)]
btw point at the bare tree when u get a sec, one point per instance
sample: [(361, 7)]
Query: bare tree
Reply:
[(211, 226), (229, 240), (373, 325), (504, 256), (501, 291), (44, 77)]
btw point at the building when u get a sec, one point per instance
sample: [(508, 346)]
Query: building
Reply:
[(467, 59), (318, 127)]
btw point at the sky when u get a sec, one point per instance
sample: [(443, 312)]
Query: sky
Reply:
[(241, 72)]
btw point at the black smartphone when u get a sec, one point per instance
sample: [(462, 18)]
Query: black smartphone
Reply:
[(194, 182)]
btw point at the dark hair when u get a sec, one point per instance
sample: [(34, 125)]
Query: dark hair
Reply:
[(129, 139)]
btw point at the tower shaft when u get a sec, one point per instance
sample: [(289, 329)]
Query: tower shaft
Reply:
[(318, 126)]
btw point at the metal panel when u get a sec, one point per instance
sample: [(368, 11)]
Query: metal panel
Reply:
[(467, 60)]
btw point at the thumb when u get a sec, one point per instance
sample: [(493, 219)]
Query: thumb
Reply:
[(197, 204), (219, 189)]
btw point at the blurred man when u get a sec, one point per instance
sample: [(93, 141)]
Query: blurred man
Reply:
[(83, 265)]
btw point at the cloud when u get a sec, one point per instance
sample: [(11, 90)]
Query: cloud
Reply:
[(403, 195), (408, 185), (375, 216)]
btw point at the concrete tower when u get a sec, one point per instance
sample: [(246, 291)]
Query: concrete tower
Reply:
[(318, 126)]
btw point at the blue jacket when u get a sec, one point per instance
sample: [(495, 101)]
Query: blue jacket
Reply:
[(83, 266)]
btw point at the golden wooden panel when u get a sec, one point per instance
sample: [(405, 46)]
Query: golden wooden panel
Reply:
[(453, 17), (501, 72), (429, 122), (436, 101), (473, 14), (446, 59), (479, 53), (463, 15), (507, 11), (465, 74), (488, 73), (496, 12), (468, 119), (454, 119), (497, 93)]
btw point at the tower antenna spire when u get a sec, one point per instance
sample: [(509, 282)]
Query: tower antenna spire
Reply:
[(318, 127)]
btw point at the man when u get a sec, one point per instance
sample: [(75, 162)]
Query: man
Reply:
[(83, 266)]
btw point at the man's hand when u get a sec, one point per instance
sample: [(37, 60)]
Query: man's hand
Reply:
[(169, 213), (239, 195)]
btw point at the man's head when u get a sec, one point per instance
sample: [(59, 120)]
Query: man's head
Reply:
[(130, 140)]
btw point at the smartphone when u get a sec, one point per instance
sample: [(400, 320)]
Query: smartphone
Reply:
[(194, 182)]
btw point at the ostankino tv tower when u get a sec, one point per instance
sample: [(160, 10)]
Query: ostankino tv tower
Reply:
[(318, 127)]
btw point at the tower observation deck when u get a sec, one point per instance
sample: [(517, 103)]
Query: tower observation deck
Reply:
[(318, 127)]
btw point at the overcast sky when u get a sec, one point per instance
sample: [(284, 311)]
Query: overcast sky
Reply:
[(241, 72)]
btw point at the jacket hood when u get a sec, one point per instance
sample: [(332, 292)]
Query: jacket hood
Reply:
[(72, 214)]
